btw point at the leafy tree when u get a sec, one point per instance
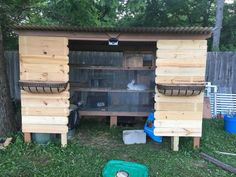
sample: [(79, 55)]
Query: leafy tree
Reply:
[(131, 13), (228, 36), (178, 13), (119, 13), (108, 12), (70, 12), (11, 12)]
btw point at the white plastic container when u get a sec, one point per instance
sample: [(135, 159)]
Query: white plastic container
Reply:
[(134, 137)]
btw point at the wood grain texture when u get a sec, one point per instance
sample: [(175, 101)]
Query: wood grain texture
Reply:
[(45, 103), (36, 68), (172, 106), (178, 99), (44, 120), (180, 71), (179, 62), (178, 123), (183, 63), (179, 79), (178, 115), (41, 59), (188, 132), (35, 128), (182, 44), (28, 111), (45, 76), (65, 95), (175, 143), (38, 45), (181, 54)]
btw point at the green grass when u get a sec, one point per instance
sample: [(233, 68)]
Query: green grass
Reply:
[(95, 144)]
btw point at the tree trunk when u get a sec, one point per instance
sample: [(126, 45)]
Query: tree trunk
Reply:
[(7, 120), (218, 24)]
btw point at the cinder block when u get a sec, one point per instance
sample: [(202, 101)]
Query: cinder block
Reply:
[(134, 137)]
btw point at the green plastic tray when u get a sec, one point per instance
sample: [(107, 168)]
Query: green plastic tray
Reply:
[(133, 169)]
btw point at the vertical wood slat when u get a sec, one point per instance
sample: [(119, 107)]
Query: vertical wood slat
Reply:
[(221, 71)]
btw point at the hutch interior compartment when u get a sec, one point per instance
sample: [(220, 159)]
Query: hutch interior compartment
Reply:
[(112, 80)]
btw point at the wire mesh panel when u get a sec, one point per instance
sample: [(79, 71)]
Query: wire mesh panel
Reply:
[(105, 81)]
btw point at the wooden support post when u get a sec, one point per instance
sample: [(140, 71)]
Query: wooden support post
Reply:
[(27, 137), (175, 143), (113, 121), (196, 142), (63, 139)]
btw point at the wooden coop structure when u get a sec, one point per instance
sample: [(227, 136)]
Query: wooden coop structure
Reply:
[(168, 64)]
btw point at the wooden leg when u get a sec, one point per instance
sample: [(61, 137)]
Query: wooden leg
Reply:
[(27, 137), (196, 142), (175, 143), (63, 139), (113, 121)]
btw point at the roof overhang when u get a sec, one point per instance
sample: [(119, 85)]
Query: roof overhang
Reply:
[(122, 34)]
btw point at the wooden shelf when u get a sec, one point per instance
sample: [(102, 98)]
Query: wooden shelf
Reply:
[(106, 90), (137, 111), (144, 68), (113, 113)]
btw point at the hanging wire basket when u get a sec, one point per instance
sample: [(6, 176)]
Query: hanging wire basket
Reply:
[(180, 89), (43, 87)]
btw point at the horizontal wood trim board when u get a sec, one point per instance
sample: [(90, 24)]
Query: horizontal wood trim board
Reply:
[(44, 57), (179, 79), (170, 106), (40, 59), (173, 106), (39, 45), (62, 95), (45, 103), (45, 120), (181, 63), (44, 61), (178, 123), (180, 55), (28, 111), (182, 44), (189, 52), (185, 132), (178, 115), (98, 36), (38, 68), (32, 128), (178, 71), (179, 99), (45, 76)]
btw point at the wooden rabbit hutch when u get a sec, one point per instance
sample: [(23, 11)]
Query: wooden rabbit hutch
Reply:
[(113, 72)]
